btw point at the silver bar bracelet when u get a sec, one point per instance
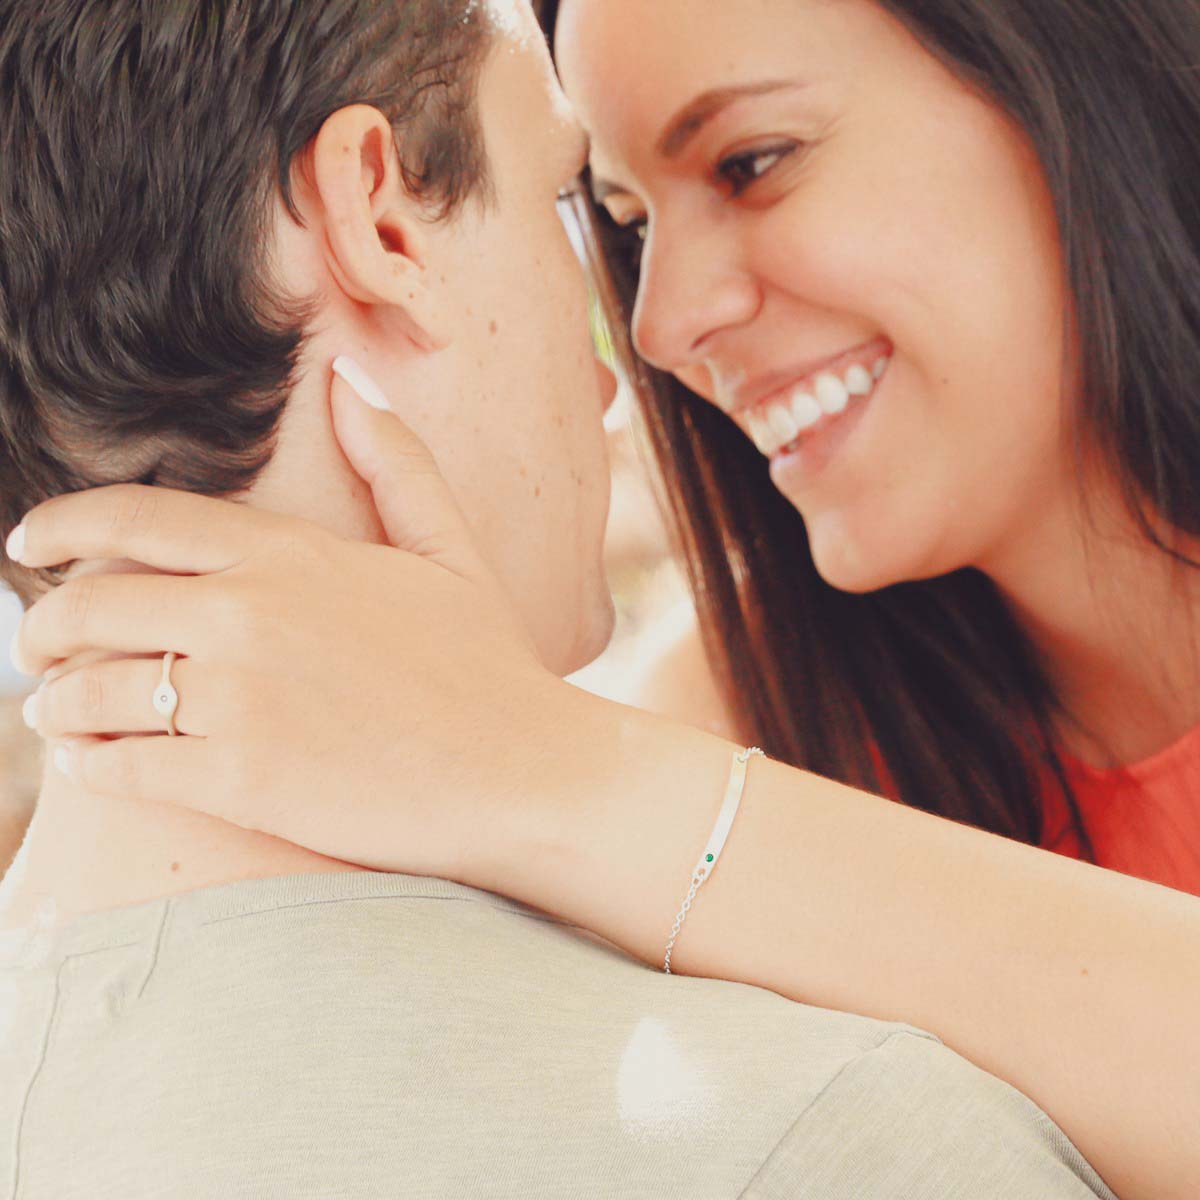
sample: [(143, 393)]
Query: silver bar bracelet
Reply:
[(716, 843)]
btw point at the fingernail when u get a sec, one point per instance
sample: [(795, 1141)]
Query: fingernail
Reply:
[(29, 710), (364, 386), (62, 760), (15, 546)]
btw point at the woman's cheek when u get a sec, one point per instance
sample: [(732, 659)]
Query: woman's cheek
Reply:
[(703, 382)]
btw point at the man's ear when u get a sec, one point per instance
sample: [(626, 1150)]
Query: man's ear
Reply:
[(373, 228)]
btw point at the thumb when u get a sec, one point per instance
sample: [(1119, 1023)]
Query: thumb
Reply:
[(418, 511)]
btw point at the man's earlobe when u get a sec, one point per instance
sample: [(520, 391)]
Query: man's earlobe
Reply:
[(373, 227)]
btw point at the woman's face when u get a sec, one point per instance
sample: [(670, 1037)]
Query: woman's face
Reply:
[(847, 251)]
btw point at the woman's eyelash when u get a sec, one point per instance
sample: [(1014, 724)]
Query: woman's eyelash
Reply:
[(747, 167)]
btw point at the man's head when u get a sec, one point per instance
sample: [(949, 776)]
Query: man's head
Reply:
[(202, 203)]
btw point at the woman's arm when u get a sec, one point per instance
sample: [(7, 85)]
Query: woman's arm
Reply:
[(445, 749), (1078, 986)]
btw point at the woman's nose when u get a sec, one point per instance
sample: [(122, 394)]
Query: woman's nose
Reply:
[(690, 289)]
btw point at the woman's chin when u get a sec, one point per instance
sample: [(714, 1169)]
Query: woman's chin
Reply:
[(858, 565)]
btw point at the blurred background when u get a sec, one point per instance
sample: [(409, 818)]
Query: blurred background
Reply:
[(20, 750)]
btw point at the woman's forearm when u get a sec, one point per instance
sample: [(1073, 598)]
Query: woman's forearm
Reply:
[(1078, 986)]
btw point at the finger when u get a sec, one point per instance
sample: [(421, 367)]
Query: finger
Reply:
[(168, 530), (414, 502), (117, 697), (130, 614), (156, 768)]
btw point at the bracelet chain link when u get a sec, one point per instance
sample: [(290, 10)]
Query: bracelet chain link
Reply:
[(702, 871)]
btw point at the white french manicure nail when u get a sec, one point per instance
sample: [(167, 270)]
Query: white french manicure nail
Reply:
[(15, 546), (62, 760), (366, 388), (29, 710)]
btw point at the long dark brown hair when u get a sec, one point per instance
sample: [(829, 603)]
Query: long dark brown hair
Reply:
[(931, 692)]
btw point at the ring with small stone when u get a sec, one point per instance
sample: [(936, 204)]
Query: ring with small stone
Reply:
[(166, 698)]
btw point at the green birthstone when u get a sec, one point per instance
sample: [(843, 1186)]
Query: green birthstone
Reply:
[(710, 858)]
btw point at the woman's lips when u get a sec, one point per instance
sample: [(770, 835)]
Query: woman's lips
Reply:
[(797, 465), (804, 407)]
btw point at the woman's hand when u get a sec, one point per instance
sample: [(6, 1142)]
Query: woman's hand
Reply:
[(364, 701)]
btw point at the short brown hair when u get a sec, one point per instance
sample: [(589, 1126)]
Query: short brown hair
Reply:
[(142, 145)]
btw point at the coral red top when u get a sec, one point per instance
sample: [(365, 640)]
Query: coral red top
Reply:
[(1143, 820)]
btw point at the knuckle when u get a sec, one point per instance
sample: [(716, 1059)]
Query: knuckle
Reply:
[(91, 695), (78, 598), (240, 700), (303, 548), (247, 620), (135, 510), (232, 610), (74, 704)]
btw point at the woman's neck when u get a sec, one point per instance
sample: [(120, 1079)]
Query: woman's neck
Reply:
[(86, 853), (1117, 624)]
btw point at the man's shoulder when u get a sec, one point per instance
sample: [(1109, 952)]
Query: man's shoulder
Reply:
[(912, 1118), (397, 1031), (433, 964)]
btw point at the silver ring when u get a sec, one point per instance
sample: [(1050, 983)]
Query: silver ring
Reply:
[(166, 698)]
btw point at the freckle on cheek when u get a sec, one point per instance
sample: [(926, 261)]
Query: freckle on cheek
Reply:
[(537, 492), (493, 328), (174, 866)]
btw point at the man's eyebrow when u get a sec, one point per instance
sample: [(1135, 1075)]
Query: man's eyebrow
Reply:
[(697, 113)]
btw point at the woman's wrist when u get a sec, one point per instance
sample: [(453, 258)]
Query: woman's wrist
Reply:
[(615, 809)]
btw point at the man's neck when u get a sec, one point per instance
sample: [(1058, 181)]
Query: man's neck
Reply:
[(86, 853)]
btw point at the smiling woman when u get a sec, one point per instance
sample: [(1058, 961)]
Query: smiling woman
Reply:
[(967, 555)]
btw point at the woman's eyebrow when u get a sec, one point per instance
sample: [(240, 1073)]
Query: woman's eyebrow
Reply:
[(697, 113), (691, 119)]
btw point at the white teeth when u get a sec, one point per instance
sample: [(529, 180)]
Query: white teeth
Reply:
[(805, 410), (859, 381), (832, 394), (784, 425), (779, 425), (760, 432)]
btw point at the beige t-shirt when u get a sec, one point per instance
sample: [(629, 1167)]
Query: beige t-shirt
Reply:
[(362, 1036)]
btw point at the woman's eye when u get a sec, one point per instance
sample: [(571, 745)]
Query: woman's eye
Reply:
[(747, 167), (633, 238), (626, 232)]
